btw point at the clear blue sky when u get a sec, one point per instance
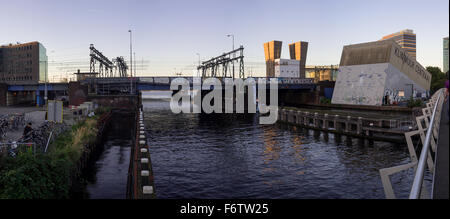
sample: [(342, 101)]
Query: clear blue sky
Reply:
[(168, 34)]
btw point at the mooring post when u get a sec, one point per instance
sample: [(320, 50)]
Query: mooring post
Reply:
[(306, 120), (337, 127), (325, 121), (348, 124), (359, 126), (316, 120)]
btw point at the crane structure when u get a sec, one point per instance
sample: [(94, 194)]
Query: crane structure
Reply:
[(220, 66)]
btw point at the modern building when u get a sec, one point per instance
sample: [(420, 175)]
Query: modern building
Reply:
[(322, 73), (272, 51), (277, 67), (378, 72), (23, 63), (298, 51), (445, 55), (287, 68), (406, 39)]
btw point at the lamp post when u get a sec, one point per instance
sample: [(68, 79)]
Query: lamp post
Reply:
[(199, 63), (232, 35), (131, 64)]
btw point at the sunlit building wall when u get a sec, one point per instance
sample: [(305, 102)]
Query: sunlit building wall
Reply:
[(406, 39), (23, 63), (272, 51), (299, 51)]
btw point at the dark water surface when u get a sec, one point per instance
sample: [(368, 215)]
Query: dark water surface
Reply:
[(232, 156), (108, 176)]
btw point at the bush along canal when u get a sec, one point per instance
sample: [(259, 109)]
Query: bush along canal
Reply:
[(58, 173)]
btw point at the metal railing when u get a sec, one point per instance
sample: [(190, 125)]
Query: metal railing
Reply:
[(418, 178), (427, 130)]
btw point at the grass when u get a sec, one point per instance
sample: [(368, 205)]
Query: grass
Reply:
[(47, 176)]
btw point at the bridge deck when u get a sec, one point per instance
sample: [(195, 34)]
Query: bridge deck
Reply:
[(440, 187)]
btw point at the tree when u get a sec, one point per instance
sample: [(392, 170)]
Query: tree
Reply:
[(437, 79)]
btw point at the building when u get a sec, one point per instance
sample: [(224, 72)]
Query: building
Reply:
[(445, 54), (277, 67), (376, 72), (406, 39), (322, 73), (23, 63), (298, 51), (287, 68), (272, 51)]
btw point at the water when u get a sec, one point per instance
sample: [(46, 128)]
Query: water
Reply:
[(232, 156), (107, 178)]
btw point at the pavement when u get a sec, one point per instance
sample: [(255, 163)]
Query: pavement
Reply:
[(441, 186)]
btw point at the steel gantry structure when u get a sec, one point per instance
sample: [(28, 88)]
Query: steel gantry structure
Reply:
[(219, 66), (106, 66), (120, 65)]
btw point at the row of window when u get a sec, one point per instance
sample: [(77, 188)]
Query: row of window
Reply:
[(18, 78)]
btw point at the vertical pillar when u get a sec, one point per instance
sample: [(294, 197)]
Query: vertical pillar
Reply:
[(347, 124), (359, 126), (337, 127), (325, 121), (316, 120)]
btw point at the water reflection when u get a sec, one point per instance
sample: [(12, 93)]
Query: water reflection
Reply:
[(232, 156)]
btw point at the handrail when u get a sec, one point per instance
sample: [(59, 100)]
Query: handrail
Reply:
[(418, 178)]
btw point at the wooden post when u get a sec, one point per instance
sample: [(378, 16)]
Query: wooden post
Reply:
[(316, 120), (359, 126), (325, 121), (337, 127), (347, 124)]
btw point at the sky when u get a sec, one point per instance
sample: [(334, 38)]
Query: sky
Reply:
[(168, 34)]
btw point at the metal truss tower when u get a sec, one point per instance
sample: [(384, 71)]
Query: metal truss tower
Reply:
[(220, 65)]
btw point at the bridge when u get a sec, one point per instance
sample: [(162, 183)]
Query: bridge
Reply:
[(125, 86)]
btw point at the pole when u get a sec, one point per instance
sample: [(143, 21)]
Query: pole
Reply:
[(131, 64), (234, 55)]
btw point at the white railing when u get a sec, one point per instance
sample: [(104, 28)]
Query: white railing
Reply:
[(428, 128)]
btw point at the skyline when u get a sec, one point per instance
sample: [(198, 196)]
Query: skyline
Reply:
[(168, 35)]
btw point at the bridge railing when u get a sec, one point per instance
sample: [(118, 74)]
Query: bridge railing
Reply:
[(428, 130)]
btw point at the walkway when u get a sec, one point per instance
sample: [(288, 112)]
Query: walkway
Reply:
[(440, 189)]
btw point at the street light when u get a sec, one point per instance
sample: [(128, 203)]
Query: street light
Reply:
[(198, 73), (131, 64), (234, 55)]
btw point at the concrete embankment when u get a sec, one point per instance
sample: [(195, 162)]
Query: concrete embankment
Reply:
[(140, 181)]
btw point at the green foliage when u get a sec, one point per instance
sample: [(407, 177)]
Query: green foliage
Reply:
[(325, 101), (437, 79), (46, 176), (101, 110), (32, 177), (415, 103)]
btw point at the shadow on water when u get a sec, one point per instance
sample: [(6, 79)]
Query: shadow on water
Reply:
[(106, 176)]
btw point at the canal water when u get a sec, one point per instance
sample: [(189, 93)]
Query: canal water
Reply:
[(107, 177), (232, 156)]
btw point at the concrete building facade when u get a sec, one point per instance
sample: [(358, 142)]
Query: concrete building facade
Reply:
[(23, 63), (406, 39), (371, 73), (445, 69), (272, 51), (287, 68), (298, 51)]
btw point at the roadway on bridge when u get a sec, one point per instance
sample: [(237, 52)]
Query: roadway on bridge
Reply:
[(440, 190)]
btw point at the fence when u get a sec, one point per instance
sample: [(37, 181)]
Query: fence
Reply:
[(430, 117)]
